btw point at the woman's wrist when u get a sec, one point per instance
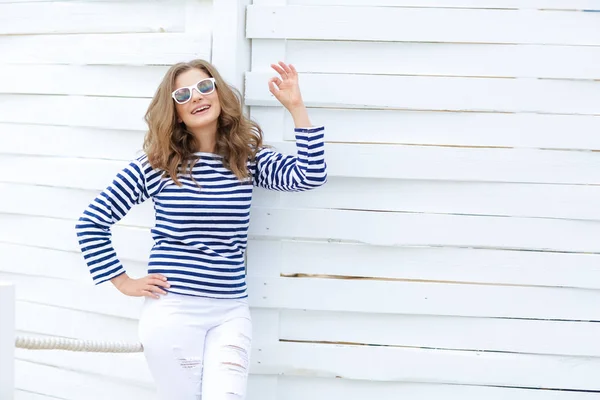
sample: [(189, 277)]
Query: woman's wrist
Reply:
[(119, 280), (300, 116)]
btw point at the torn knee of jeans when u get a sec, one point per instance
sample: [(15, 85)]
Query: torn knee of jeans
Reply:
[(237, 360), (189, 363)]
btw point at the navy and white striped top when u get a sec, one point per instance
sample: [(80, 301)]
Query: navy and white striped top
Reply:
[(200, 233)]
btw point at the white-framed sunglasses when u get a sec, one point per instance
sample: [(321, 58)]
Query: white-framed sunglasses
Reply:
[(184, 94)]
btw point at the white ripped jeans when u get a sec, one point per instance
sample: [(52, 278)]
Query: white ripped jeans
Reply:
[(197, 348)]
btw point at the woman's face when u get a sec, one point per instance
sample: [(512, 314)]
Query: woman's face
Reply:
[(202, 110)]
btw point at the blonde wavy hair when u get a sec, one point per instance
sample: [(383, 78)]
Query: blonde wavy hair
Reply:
[(170, 146)]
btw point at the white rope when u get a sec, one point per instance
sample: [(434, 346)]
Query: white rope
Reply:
[(33, 343)]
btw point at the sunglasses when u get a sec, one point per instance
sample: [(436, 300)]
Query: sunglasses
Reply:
[(184, 94)]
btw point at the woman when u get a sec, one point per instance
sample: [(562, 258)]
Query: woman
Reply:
[(201, 159)]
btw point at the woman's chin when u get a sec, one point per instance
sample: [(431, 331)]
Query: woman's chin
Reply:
[(201, 122)]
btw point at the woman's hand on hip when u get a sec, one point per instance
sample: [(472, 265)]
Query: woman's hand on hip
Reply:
[(285, 88), (149, 286)]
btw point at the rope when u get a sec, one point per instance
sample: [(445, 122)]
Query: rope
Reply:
[(32, 343)]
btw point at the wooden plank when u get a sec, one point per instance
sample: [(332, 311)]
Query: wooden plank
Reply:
[(493, 4), (127, 367), (436, 93), (380, 228), (415, 25), (300, 388), (473, 198), (485, 266), (106, 49), (95, 80), (442, 59), (101, 299), (366, 161), (80, 111), (438, 128), (37, 381), (33, 318), (91, 17), (424, 298), (231, 50), (70, 141), (435, 366), (436, 332)]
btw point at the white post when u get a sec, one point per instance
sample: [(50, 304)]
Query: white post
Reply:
[(7, 340)]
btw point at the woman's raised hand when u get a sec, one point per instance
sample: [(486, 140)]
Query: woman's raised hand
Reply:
[(285, 88)]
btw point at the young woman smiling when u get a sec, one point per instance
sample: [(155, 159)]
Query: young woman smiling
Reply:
[(201, 159)]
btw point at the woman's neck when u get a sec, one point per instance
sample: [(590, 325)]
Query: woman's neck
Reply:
[(206, 139)]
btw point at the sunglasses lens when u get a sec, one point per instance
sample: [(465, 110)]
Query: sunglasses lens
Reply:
[(182, 95), (206, 86)]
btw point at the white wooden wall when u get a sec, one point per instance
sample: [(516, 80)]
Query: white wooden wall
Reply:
[(453, 253), (75, 80)]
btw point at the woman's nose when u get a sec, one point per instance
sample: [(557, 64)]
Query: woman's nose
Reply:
[(196, 95)]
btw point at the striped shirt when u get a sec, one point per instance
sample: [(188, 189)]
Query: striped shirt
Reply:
[(200, 232)]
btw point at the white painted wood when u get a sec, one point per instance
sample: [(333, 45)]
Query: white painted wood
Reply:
[(439, 366), (422, 25), (27, 395), (32, 260), (437, 332), (522, 130), (62, 383), (101, 299), (118, 81), (466, 265), (43, 319), (424, 298), (70, 141), (470, 198), (408, 229), (7, 339), (493, 4), (437, 93), (91, 17), (105, 49), (300, 388), (129, 367), (265, 53), (79, 111), (230, 48), (442, 59)]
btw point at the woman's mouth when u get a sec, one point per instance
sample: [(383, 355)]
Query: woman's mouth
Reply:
[(200, 109)]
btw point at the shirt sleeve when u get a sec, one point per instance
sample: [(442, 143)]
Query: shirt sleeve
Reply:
[(304, 171), (110, 206)]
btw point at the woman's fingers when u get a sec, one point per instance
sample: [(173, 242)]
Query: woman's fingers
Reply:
[(274, 85), (154, 289), (293, 70), (280, 70), (147, 293), (276, 81), (285, 67), (158, 282)]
